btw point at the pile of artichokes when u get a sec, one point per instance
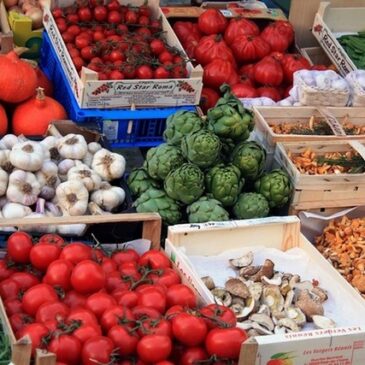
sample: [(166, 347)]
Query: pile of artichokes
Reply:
[(208, 171)]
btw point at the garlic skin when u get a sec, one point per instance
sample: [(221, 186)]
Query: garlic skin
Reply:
[(108, 197), (4, 179), (6, 229), (88, 159), (108, 165), (65, 165), (94, 147), (49, 142), (71, 229), (72, 146), (5, 163), (23, 187), (9, 141), (15, 210), (88, 177), (28, 156), (72, 197)]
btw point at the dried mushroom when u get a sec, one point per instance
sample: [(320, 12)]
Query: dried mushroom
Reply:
[(238, 288), (323, 322), (308, 305), (243, 261), (208, 282)]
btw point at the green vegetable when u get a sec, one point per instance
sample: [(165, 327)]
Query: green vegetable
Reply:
[(250, 158), (229, 119), (206, 210), (162, 159), (276, 187), (354, 46), (185, 184), (201, 148), (181, 124), (139, 181), (5, 348), (224, 183), (251, 205), (155, 200)]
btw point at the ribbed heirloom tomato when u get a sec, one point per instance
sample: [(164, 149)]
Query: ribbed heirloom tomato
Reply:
[(219, 72), (268, 71), (240, 26), (249, 48)]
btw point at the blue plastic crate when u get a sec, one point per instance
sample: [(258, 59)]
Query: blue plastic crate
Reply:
[(122, 128)]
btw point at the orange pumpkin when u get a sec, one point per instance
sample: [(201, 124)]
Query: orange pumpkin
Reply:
[(3, 121)]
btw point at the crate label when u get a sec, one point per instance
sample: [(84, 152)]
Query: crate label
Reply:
[(110, 129), (226, 13), (332, 122), (331, 46), (148, 92)]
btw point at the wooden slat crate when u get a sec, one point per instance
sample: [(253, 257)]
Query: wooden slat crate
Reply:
[(6, 35), (21, 349), (321, 191)]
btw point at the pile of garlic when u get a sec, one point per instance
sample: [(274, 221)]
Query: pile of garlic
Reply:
[(63, 176)]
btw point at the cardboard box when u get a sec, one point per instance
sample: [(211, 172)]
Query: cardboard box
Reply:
[(6, 35), (318, 347), (126, 93), (316, 56), (330, 20)]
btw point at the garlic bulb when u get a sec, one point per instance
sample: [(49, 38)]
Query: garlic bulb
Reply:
[(48, 179), (108, 165), (15, 210), (65, 165), (94, 209), (23, 187), (88, 177), (4, 178), (94, 147), (88, 159), (72, 146), (108, 197), (71, 229), (9, 141), (5, 163), (27, 156), (72, 197), (49, 142), (6, 229)]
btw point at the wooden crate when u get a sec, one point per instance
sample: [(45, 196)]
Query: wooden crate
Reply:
[(307, 347), (6, 35), (321, 191), (21, 349), (316, 56)]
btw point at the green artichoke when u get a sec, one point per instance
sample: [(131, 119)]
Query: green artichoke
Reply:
[(201, 148), (157, 201), (276, 187), (229, 119), (251, 205), (224, 183), (185, 183), (206, 210), (181, 124), (162, 159), (139, 181), (250, 158)]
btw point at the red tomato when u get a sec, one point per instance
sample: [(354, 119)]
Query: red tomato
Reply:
[(208, 99), (144, 72), (87, 277), (161, 73), (180, 294), (9, 289), (154, 348), (124, 339), (146, 287), (131, 17), (213, 47), (59, 274), (98, 303), (78, 62), (164, 363), (193, 355), (154, 259), (97, 350), (244, 91), (126, 255), (5, 270), (113, 5), (152, 297), (173, 311), (129, 270), (225, 342), (82, 42), (155, 327), (108, 265), (268, 71), (189, 329), (35, 296), (36, 333), (43, 254), (67, 348), (12, 306), (100, 13), (166, 56), (72, 18), (128, 299), (319, 67), (85, 14), (76, 252), (140, 311), (217, 315), (219, 72), (270, 92), (292, 63), (116, 75), (179, 72), (52, 238), (19, 245), (52, 311), (114, 281), (84, 315), (157, 46), (115, 316), (166, 277), (19, 321), (25, 280), (184, 30), (74, 299), (240, 26), (212, 21), (86, 332), (248, 71), (249, 48), (279, 35)]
